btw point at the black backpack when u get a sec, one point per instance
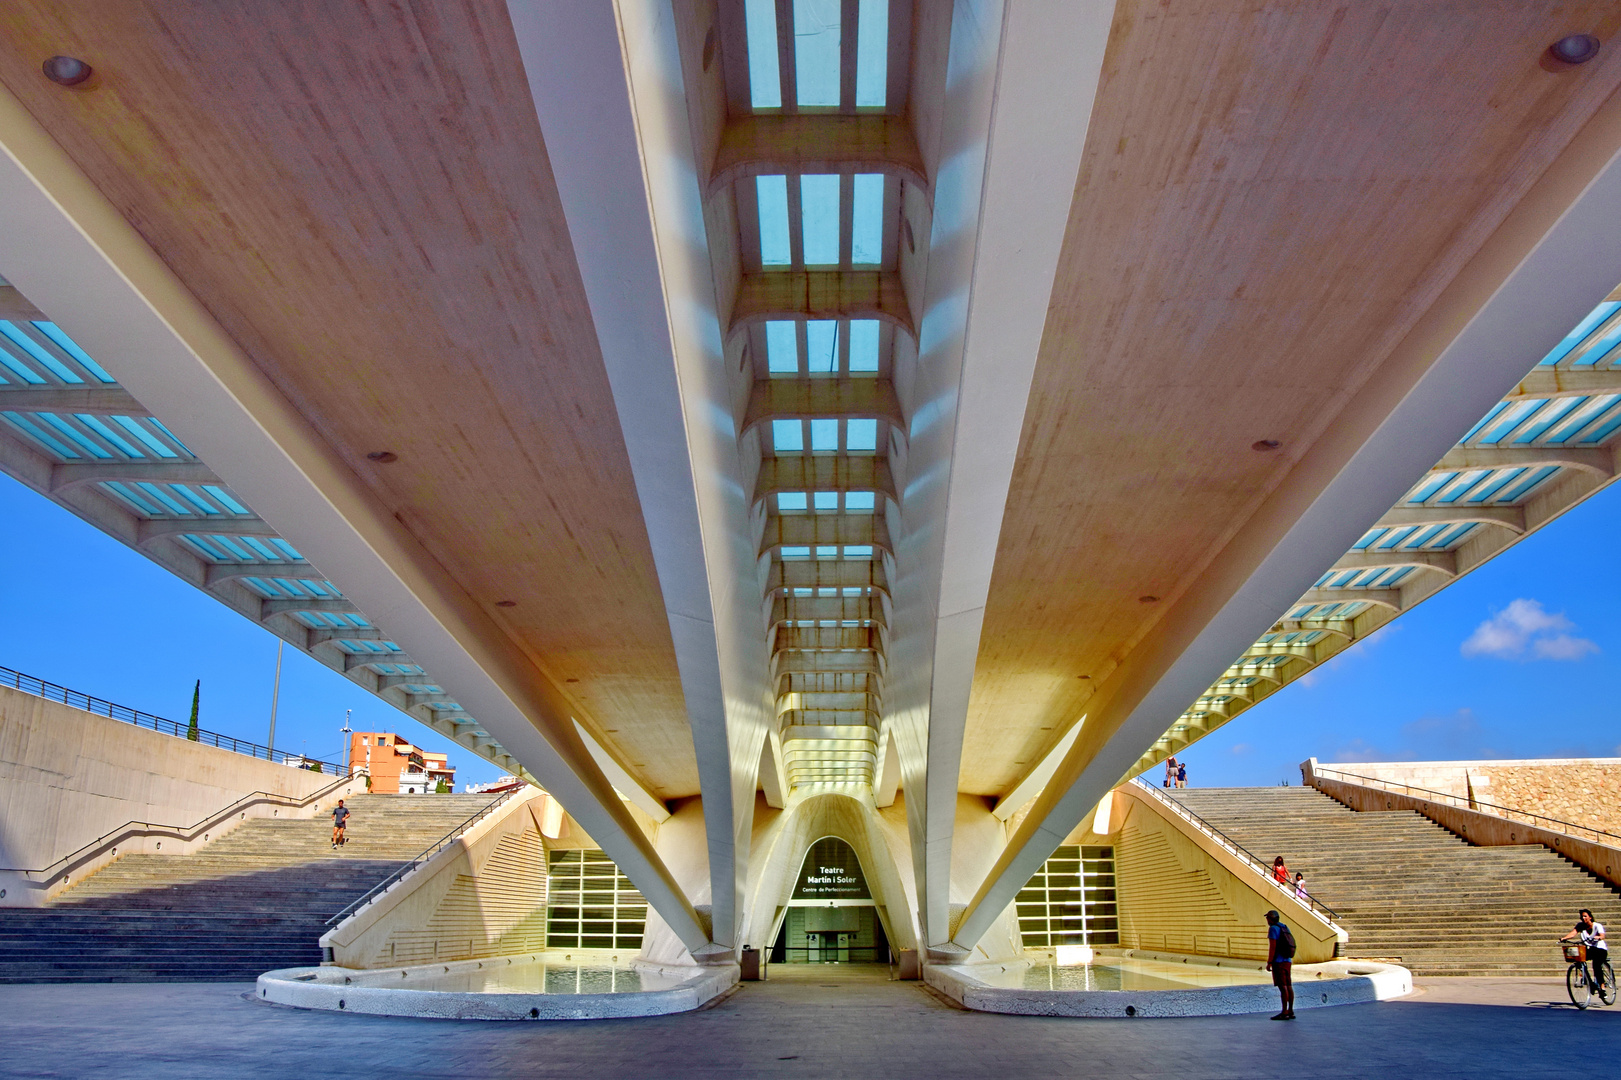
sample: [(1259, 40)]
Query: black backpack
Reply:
[(1286, 943)]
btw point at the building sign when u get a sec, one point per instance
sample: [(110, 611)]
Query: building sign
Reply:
[(831, 872)]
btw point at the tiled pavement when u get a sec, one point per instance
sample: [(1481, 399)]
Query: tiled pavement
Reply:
[(805, 1023)]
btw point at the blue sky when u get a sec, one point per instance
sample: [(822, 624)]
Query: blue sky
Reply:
[(82, 610), (1518, 659)]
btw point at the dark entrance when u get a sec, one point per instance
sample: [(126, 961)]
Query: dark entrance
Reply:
[(831, 918)]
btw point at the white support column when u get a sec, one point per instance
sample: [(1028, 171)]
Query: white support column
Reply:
[(1023, 78), (612, 109)]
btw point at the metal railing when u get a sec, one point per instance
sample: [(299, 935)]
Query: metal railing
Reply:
[(28, 684), (1232, 847), (1552, 824), (427, 853)]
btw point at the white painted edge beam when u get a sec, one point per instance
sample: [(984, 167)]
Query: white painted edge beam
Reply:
[(1574, 265), (607, 88), (1036, 779), (72, 254), (624, 783)]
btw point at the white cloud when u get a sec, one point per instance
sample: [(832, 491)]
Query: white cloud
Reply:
[(1524, 631)]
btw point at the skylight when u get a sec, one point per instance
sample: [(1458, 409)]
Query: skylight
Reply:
[(781, 347), (787, 436), (872, 49), (71, 347), (822, 346), (862, 435), (38, 352), (864, 345), (765, 76), (772, 192), (824, 434), (816, 52), (791, 500), (819, 210), (867, 220)]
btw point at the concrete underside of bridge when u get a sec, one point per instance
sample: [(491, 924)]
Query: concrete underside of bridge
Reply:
[(756, 420)]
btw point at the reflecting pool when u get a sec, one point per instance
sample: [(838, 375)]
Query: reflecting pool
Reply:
[(541, 977), (1124, 973)]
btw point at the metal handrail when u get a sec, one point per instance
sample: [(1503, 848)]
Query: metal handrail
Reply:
[(1257, 864), (179, 832), (427, 853), (1569, 828), (50, 691)]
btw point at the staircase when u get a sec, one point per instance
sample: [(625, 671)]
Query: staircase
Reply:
[(1408, 890), (256, 899)]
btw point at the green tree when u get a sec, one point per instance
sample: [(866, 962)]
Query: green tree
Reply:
[(196, 696)]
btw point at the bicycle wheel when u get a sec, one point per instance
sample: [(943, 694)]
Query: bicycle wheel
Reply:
[(1606, 992), (1581, 993)]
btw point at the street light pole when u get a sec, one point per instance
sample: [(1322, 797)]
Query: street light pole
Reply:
[(347, 767), (275, 696)]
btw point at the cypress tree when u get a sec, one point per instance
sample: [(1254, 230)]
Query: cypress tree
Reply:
[(196, 695)]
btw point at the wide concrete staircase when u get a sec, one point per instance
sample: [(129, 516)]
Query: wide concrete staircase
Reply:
[(1406, 889), (256, 899)]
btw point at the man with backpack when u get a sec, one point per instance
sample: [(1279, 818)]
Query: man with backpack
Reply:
[(1280, 961)]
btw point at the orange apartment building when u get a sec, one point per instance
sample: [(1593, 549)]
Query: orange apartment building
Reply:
[(396, 767)]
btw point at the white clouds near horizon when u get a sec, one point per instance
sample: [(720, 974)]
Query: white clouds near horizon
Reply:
[(1525, 631)]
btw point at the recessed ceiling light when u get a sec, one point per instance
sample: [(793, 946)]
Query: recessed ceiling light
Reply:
[(382, 457), (1575, 49), (571, 680), (1148, 599), (66, 70), (506, 603), (1264, 445)]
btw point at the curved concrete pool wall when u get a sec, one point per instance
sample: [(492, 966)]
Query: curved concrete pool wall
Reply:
[(389, 992), (1339, 982)]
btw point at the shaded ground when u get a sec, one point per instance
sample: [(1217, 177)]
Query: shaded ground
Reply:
[(809, 1022)]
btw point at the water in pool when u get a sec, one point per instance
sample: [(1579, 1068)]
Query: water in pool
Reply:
[(545, 977), (1120, 974)]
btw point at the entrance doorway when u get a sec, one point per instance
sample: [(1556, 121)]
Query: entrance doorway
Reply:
[(831, 935)]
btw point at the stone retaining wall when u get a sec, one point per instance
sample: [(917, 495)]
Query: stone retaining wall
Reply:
[(1583, 791)]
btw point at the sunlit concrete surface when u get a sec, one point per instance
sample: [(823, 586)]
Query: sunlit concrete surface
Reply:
[(817, 1022)]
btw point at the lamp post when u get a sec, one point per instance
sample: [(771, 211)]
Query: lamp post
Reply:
[(347, 768), (275, 696)]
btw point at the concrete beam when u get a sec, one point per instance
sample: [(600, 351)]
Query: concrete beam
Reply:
[(1444, 561), (65, 477), (822, 294), (804, 143), (1553, 382), (219, 573), (812, 472), (1509, 517), (804, 530), (1390, 598), (92, 400), (808, 399), (827, 574), (150, 529), (268, 608), (1600, 461)]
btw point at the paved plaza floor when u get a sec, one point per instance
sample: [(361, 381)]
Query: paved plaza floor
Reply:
[(810, 1022)]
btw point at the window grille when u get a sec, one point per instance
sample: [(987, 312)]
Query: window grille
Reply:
[(1070, 900), (590, 904)]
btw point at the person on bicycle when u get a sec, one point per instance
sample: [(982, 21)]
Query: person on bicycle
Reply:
[(340, 820), (1591, 934)]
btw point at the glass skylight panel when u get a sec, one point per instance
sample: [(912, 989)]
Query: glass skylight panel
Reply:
[(824, 435), (1583, 328), (28, 345), (84, 442), (1431, 485), (867, 220), (863, 345), (821, 346), (858, 551), (194, 499), (1556, 411), (827, 500), (827, 551), (155, 422), (261, 548), (765, 73), (286, 548), (225, 500), (787, 436), (133, 500), (872, 53), (791, 500), (1488, 490), (151, 441), (1537, 476), (816, 51), (1579, 418), (71, 347), (94, 424), (169, 501), (1424, 536), (819, 210), (781, 347), (1484, 420), (1600, 433), (859, 500), (1509, 420), (862, 435), (772, 193), (1604, 341), (20, 369)]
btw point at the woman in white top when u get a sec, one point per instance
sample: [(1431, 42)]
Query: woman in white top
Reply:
[(1591, 934), (1300, 886)]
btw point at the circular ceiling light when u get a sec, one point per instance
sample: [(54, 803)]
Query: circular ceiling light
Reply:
[(1263, 445), (1148, 599), (1575, 49), (506, 603), (66, 70), (382, 457)]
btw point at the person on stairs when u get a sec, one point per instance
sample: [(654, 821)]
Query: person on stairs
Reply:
[(340, 820), (1591, 934), (1280, 961), (1170, 771)]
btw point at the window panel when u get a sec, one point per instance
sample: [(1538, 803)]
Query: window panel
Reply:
[(819, 210), (825, 435), (864, 345), (816, 51), (781, 347), (872, 53), (821, 346), (867, 220), (765, 73), (862, 435), (772, 193), (787, 436)]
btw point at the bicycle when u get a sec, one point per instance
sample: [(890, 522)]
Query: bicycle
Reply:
[(1577, 981)]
